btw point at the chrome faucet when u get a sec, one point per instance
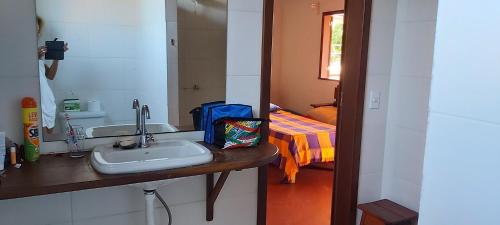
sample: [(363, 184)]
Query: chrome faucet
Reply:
[(145, 137), (137, 107)]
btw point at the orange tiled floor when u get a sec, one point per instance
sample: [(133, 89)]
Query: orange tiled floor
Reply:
[(307, 202)]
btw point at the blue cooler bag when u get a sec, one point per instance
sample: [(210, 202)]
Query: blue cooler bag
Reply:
[(204, 112), (224, 111)]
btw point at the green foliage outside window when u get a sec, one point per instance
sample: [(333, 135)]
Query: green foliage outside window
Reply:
[(336, 48)]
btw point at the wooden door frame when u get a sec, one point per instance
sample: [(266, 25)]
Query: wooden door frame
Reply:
[(350, 115)]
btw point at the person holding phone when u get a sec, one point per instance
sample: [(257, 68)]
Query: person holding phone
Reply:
[(46, 72)]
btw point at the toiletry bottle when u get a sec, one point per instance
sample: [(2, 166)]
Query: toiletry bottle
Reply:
[(13, 156), (30, 120)]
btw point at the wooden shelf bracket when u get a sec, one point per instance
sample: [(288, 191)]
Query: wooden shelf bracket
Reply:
[(214, 191)]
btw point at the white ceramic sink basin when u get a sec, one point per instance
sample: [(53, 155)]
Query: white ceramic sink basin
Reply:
[(161, 155), (127, 129)]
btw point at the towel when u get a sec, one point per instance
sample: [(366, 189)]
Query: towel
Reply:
[(48, 101)]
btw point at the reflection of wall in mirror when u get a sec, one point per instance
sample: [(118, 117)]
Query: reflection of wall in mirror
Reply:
[(202, 33), (296, 55), (117, 53)]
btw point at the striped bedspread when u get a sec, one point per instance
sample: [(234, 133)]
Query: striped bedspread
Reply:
[(301, 141)]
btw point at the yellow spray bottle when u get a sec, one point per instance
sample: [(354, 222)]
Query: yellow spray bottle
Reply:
[(31, 134)]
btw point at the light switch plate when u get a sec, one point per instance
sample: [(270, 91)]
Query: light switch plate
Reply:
[(374, 100)]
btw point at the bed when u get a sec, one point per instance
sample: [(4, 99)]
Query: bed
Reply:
[(301, 141), (325, 114)]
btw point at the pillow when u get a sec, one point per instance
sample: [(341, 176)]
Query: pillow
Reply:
[(325, 114), (273, 107)]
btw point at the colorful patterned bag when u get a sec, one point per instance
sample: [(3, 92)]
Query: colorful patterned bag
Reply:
[(237, 132)]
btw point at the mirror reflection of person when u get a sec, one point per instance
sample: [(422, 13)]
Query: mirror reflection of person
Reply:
[(46, 72)]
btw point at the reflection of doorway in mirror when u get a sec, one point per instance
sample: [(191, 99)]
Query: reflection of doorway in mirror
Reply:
[(202, 40)]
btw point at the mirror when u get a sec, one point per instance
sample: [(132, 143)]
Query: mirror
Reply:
[(169, 55), (331, 45)]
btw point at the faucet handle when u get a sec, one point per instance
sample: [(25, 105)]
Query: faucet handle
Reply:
[(135, 104)]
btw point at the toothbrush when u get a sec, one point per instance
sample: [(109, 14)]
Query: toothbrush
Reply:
[(72, 138)]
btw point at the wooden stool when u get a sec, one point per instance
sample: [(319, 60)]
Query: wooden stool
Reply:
[(385, 212)]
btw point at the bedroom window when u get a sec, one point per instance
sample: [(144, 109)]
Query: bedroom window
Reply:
[(331, 45)]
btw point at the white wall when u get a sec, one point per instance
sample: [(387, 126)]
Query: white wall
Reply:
[(172, 62), (461, 179), (202, 32), (244, 49), (378, 77), (18, 60), (296, 46), (399, 66), (122, 205), (114, 57), (408, 101)]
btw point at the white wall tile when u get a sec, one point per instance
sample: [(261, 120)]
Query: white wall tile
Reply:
[(418, 10), (133, 218), (381, 48), (373, 143), (62, 10), (403, 192), (102, 13), (227, 211), (369, 187), (409, 102), (186, 214), (384, 11), (405, 151), (244, 90), (18, 11), (239, 210), (414, 48), (470, 82), (246, 5), (187, 190), (41, 210), (108, 41), (460, 183), (240, 182), (118, 200), (472, 98), (244, 43), (18, 39)]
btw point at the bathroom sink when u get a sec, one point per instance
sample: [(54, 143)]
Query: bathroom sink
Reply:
[(127, 129), (161, 155)]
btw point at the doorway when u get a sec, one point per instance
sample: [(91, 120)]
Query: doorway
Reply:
[(350, 111)]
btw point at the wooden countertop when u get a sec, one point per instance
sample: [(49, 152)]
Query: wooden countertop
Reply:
[(59, 173)]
